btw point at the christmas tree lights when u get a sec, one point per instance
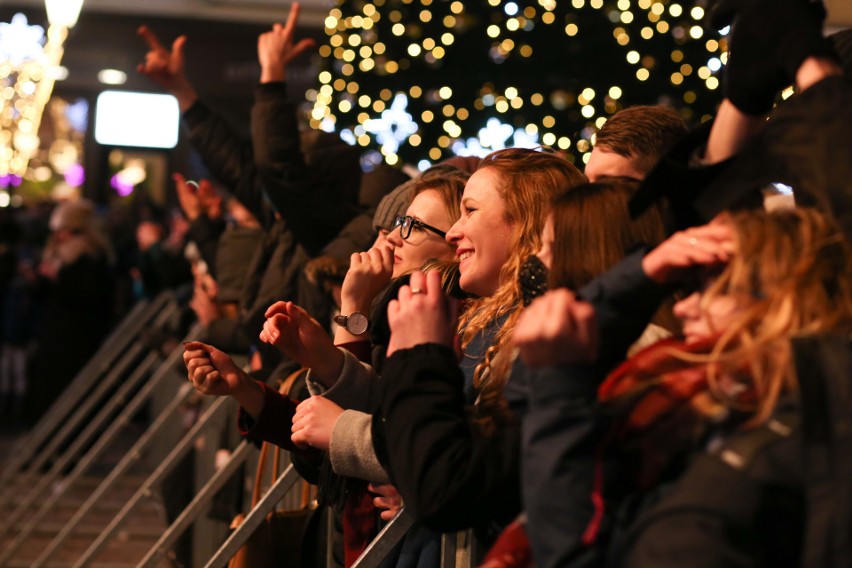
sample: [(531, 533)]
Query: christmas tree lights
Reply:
[(421, 80)]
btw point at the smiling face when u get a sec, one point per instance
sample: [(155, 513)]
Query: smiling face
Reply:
[(422, 245), (482, 235)]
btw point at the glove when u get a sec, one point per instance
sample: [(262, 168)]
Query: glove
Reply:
[(769, 42)]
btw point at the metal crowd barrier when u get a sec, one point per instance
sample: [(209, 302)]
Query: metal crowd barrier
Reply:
[(123, 360), (30, 448), (122, 350), (130, 356)]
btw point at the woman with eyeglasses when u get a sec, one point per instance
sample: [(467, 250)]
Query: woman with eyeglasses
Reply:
[(318, 423)]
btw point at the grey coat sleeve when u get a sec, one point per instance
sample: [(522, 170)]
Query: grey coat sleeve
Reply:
[(357, 387), (351, 451)]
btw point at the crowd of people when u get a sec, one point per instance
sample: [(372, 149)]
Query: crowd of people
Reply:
[(639, 364)]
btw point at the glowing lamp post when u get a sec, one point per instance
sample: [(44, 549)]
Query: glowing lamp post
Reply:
[(28, 70)]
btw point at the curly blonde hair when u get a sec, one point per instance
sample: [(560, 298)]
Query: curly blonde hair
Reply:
[(795, 270)]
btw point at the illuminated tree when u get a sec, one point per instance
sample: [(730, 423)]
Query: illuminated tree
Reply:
[(421, 80)]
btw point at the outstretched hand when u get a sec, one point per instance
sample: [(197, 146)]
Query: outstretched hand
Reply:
[(421, 314), (167, 68), (690, 250), (275, 49), (557, 329), (301, 338), (211, 371)]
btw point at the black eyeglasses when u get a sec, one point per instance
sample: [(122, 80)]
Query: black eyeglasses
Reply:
[(406, 223)]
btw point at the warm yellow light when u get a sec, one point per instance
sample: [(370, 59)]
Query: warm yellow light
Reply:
[(615, 92)]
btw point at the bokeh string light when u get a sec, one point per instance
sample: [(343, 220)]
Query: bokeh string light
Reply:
[(421, 80)]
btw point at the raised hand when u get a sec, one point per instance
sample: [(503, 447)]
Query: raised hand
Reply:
[(211, 371), (685, 251), (301, 338), (187, 195), (313, 422), (557, 329), (369, 272), (275, 49), (421, 314), (167, 68)]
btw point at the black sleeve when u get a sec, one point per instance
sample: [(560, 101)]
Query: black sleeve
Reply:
[(229, 158), (315, 199), (625, 300), (449, 475)]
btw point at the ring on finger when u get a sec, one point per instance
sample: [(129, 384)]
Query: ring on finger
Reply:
[(692, 241), (417, 291)]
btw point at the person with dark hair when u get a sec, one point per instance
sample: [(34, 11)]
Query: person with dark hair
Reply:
[(632, 141)]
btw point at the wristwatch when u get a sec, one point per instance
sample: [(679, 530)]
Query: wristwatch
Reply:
[(355, 323)]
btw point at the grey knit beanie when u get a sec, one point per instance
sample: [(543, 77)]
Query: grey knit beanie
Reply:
[(394, 203)]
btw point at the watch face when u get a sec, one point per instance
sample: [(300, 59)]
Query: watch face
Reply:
[(357, 323)]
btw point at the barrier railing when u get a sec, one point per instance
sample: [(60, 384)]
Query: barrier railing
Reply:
[(126, 366), (31, 447)]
